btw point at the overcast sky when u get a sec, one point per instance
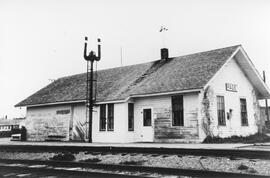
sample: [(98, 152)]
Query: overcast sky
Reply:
[(43, 39)]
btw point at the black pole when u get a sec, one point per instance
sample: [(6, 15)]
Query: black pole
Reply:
[(89, 84), (266, 102), (91, 103)]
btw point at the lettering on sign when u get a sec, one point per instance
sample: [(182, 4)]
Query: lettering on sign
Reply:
[(231, 87), (63, 111)]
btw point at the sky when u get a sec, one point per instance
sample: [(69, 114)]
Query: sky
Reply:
[(42, 40)]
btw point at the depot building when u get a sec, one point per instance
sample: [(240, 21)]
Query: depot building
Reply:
[(173, 99)]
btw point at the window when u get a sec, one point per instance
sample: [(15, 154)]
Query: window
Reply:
[(243, 107), (102, 124), (109, 120), (110, 117), (130, 117), (147, 117), (177, 110), (221, 110)]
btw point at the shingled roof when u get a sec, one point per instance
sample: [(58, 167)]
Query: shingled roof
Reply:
[(175, 74)]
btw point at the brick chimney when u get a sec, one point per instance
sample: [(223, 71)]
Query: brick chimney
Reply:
[(164, 53)]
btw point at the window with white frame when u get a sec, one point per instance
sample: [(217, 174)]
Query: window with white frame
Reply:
[(106, 117), (221, 110), (243, 108)]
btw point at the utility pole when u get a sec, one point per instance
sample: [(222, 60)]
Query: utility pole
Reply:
[(266, 102), (90, 58)]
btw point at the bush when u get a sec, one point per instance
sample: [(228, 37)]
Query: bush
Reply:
[(63, 157), (242, 167), (256, 138)]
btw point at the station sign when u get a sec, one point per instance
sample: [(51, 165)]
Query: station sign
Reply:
[(231, 87)]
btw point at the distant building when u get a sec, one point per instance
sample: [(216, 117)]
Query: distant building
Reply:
[(180, 99), (9, 124)]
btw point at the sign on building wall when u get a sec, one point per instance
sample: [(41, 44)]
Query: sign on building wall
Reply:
[(231, 87)]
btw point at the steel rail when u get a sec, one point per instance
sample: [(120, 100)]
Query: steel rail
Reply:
[(62, 172), (143, 169), (251, 154)]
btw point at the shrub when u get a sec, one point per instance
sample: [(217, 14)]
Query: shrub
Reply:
[(256, 138), (63, 157), (242, 167)]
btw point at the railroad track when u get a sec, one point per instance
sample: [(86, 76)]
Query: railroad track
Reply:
[(250, 154), (30, 170), (80, 169)]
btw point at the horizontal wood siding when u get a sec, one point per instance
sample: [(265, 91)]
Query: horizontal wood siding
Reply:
[(165, 132)]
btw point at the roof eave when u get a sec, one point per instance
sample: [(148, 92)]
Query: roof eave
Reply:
[(115, 101), (50, 103), (220, 69), (250, 71), (253, 75)]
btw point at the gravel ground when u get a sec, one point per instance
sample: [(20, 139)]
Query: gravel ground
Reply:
[(255, 166), (26, 155)]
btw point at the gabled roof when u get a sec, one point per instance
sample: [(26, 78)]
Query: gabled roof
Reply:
[(175, 74)]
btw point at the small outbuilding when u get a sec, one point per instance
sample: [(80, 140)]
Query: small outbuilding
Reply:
[(179, 99)]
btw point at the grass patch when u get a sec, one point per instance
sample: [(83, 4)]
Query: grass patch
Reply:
[(63, 157), (256, 138)]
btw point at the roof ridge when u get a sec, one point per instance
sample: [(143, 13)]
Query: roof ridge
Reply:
[(217, 49)]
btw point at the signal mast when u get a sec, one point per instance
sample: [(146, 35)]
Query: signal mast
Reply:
[(90, 58)]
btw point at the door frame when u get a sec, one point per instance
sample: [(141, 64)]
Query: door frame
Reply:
[(148, 127)]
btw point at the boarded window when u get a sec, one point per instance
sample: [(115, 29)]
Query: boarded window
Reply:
[(221, 110), (177, 110), (130, 117), (102, 122), (110, 122), (243, 106), (66, 111), (147, 117)]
